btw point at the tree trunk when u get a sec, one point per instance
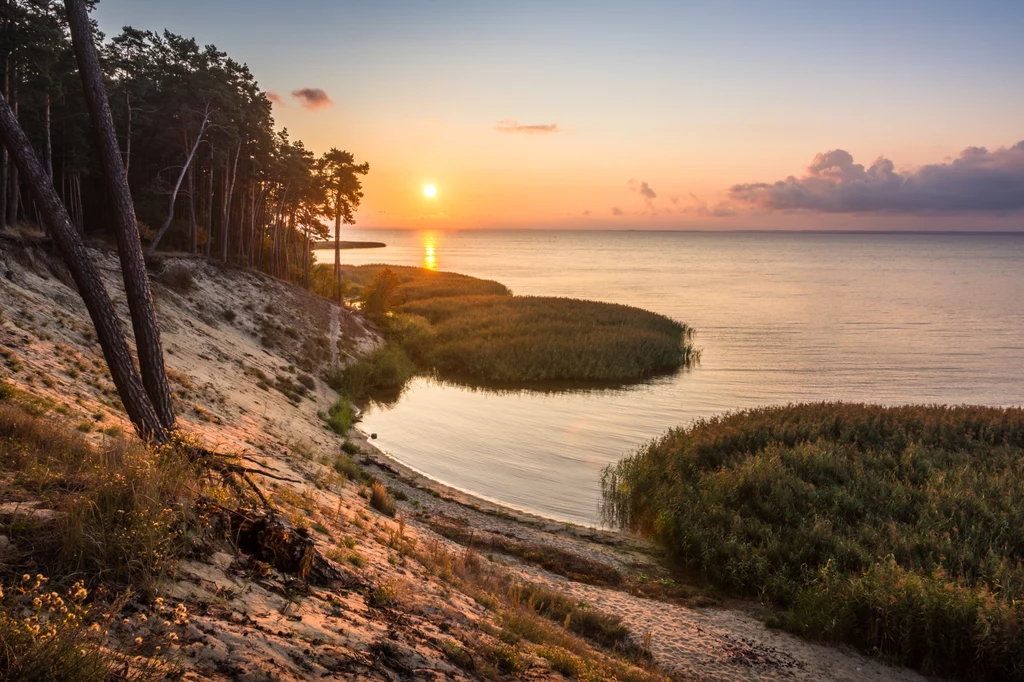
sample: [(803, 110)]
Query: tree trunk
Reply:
[(90, 286), (253, 209), (133, 266), (192, 236), (305, 259), (243, 233), (229, 192), (209, 207), (262, 235), (128, 134), (177, 184), (12, 204), (76, 201), (47, 144), (3, 152), (287, 247), (337, 245)]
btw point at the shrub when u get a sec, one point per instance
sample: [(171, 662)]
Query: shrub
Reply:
[(386, 368), (339, 417), (381, 500), (897, 529), (179, 277), (378, 297), (455, 653), (344, 464)]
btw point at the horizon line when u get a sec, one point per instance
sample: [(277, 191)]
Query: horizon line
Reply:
[(1019, 232)]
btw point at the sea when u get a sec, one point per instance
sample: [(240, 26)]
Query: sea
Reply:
[(780, 317)]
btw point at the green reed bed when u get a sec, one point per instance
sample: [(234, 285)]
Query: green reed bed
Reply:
[(899, 530), (420, 283), (475, 330), (510, 339)]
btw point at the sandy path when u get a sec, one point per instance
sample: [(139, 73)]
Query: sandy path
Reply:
[(723, 644)]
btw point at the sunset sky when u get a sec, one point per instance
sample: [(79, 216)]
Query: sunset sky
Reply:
[(644, 115)]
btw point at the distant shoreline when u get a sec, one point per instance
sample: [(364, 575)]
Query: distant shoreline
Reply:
[(349, 245)]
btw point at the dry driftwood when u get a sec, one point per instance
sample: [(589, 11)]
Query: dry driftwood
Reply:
[(273, 539)]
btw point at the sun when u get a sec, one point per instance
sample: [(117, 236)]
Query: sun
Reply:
[(429, 191)]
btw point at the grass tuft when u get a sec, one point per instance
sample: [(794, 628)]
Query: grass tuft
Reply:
[(381, 500)]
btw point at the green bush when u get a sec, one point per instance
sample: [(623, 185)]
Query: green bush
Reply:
[(344, 464), (379, 296), (339, 417), (897, 529), (386, 368)]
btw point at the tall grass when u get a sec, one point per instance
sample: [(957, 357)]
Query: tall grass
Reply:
[(508, 339), (475, 330), (123, 512), (414, 284), (900, 530)]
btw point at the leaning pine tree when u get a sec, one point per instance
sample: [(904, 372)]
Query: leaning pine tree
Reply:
[(133, 265), (72, 249), (146, 397)]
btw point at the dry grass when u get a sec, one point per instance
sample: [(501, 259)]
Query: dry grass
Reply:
[(559, 561), (380, 499), (179, 277), (537, 622), (121, 512)]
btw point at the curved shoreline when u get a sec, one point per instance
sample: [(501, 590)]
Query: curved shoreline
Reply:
[(468, 498)]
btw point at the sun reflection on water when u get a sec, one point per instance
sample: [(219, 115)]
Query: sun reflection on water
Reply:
[(430, 253)]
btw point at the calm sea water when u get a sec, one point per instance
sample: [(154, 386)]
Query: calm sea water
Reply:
[(889, 318)]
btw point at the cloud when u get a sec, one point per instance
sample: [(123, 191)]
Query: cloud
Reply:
[(275, 98), (643, 189), (700, 207), (511, 126), (978, 180), (312, 98), (617, 211)]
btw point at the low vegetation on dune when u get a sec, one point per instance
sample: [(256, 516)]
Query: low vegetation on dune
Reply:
[(475, 330), (900, 530), (88, 528)]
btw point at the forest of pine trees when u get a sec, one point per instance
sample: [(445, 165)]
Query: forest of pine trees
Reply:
[(207, 170)]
